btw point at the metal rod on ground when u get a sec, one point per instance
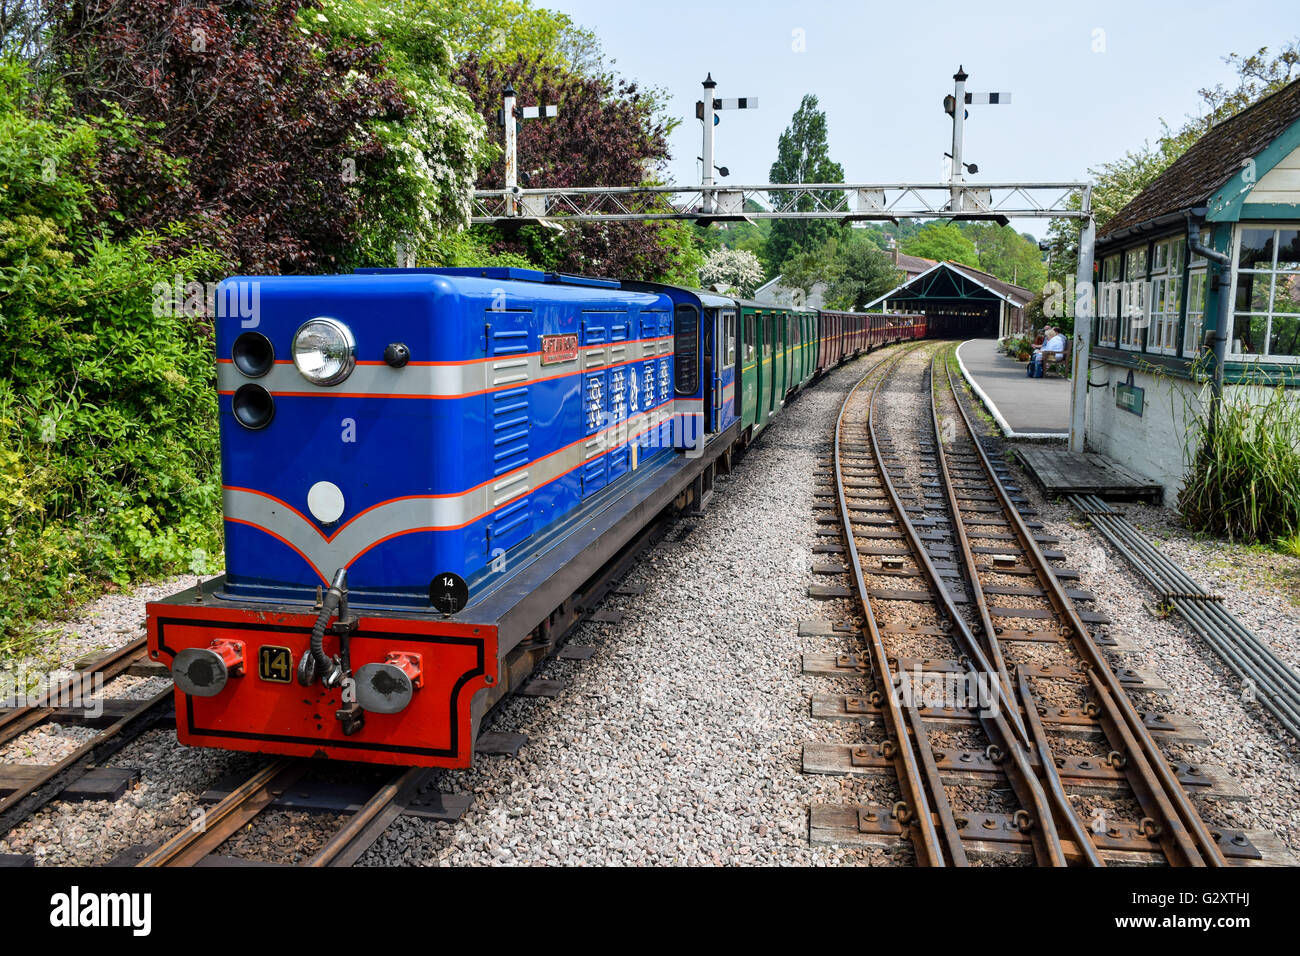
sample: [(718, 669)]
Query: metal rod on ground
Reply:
[(1225, 635), (1264, 689), (1275, 684), (1231, 625), (1236, 644)]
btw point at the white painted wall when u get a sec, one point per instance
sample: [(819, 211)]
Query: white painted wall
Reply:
[(1151, 445), (1154, 444)]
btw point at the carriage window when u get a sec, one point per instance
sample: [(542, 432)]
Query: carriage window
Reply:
[(748, 327), (729, 332), (686, 348)]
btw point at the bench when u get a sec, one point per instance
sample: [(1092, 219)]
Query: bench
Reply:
[(1057, 361)]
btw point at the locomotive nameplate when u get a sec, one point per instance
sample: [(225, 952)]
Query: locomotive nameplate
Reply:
[(275, 663), (559, 348)]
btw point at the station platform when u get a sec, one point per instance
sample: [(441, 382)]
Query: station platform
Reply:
[(1023, 407), (1060, 471), (1039, 408)]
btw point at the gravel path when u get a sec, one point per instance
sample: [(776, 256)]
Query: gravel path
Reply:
[(1244, 737)]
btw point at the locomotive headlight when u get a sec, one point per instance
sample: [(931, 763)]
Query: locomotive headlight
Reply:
[(324, 351)]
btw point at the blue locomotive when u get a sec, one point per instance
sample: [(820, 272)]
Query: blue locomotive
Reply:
[(422, 468)]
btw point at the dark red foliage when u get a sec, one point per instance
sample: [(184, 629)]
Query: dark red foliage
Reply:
[(606, 134), (260, 111)]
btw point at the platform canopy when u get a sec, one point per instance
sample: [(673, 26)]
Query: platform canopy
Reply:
[(949, 288)]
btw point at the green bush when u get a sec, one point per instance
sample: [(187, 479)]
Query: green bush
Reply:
[(1015, 345), (108, 438), (1244, 481)]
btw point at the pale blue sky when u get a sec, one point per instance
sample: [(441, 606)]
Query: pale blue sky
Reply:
[(881, 71)]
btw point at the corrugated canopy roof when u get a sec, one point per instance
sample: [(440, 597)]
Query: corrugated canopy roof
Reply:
[(947, 281)]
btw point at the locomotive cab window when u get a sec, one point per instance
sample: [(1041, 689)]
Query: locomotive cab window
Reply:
[(686, 348)]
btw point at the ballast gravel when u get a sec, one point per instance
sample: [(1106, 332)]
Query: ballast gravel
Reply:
[(171, 777)]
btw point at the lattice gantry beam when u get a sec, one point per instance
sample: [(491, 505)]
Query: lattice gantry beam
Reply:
[(850, 201)]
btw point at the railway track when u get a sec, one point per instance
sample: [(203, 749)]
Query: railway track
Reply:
[(25, 789), (408, 790), (989, 702)]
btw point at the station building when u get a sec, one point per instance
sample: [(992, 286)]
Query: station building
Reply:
[(997, 308), (1151, 356)]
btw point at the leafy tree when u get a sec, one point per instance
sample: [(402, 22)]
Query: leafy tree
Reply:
[(732, 270), (866, 274), (108, 451), (501, 31), (419, 191), (269, 119), (1257, 75), (942, 241), (24, 26), (852, 270), (805, 269), (802, 156), (606, 133), (1007, 254)]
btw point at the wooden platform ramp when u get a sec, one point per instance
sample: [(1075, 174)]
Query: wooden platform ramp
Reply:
[(1061, 472)]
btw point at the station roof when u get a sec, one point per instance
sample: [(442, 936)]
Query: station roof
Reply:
[(953, 282), (1211, 161)]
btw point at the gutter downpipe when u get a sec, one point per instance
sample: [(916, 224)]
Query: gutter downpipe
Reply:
[(1220, 339)]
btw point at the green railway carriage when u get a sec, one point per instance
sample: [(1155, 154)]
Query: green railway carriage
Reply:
[(779, 354), (776, 350)]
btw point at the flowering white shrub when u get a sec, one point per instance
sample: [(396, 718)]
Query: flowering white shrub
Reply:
[(424, 188), (731, 270)]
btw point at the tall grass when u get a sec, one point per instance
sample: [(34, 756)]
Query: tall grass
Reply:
[(1244, 481)]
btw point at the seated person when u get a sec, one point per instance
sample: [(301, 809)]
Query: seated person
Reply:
[(1053, 345)]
